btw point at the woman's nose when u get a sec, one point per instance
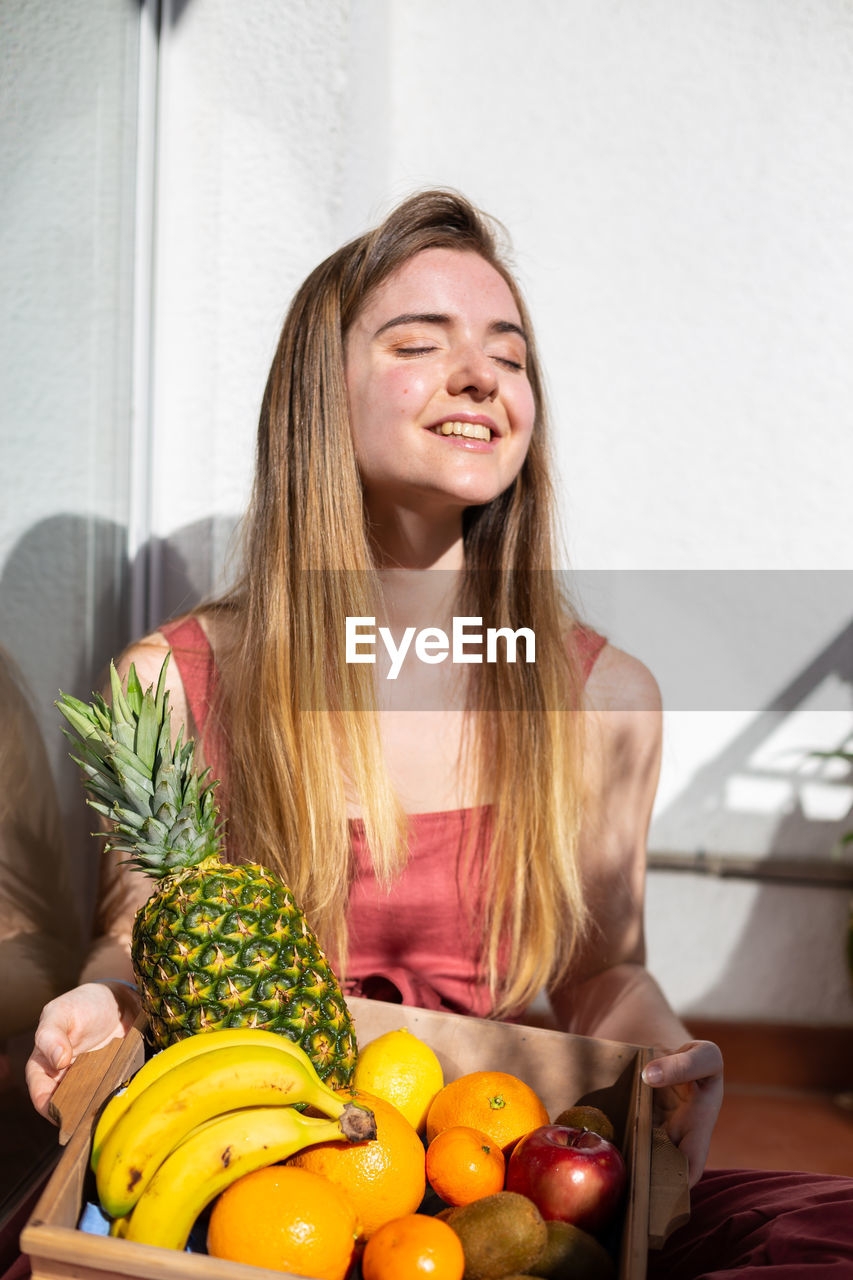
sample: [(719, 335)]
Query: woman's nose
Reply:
[(474, 374)]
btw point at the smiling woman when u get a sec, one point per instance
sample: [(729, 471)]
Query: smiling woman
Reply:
[(467, 856), (394, 348), (416, 324)]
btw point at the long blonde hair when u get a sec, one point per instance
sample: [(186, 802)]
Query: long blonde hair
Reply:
[(302, 723)]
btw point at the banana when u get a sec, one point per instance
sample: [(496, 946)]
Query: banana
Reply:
[(210, 1159), (196, 1090), (183, 1051)]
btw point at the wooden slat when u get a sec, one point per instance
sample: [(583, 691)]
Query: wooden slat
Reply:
[(669, 1201), (62, 1252), (636, 1149), (92, 1078), (61, 1200)]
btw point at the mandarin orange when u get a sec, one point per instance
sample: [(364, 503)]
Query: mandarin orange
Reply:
[(383, 1178), (464, 1164), (414, 1245), (285, 1220), (498, 1104)]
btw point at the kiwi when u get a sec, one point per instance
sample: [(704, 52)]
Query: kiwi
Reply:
[(572, 1254), (582, 1117), (501, 1234)]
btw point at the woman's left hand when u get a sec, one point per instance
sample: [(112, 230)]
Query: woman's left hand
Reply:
[(688, 1085)]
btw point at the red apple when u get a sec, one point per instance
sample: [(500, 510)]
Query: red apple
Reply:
[(571, 1175)]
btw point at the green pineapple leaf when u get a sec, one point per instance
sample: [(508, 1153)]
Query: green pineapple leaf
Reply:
[(119, 756), (102, 786), (78, 715), (137, 795), (101, 713), (122, 713), (147, 732), (161, 697), (133, 691)]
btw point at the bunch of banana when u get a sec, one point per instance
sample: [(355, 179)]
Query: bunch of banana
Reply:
[(202, 1113)]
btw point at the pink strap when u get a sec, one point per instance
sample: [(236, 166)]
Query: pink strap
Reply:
[(193, 656), (588, 646)]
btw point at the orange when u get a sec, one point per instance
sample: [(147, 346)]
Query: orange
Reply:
[(383, 1178), (414, 1245), (285, 1220), (498, 1104), (463, 1164)]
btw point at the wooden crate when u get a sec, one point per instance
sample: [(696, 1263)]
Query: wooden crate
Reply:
[(563, 1069)]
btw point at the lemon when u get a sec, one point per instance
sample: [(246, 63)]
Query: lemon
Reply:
[(403, 1070)]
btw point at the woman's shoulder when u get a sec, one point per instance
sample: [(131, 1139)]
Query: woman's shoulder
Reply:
[(612, 678), (620, 682), (624, 724), (190, 642), (191, 631), (146, 655), (190, 636)]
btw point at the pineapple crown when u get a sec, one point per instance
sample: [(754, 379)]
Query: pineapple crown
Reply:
[(163, 812)]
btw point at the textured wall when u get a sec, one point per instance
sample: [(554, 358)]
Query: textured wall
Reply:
[(253, 108), (675, 178), (67, 155), (67, 150)]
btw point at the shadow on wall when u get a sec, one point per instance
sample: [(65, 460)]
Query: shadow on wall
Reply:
[(65, 612), (788, 962), (791, 949), (765, 791), (190, 565)]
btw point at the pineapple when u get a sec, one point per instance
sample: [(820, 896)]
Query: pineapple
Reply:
[(215, 945)]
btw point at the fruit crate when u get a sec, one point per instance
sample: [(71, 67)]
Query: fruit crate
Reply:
[(563, 1069)]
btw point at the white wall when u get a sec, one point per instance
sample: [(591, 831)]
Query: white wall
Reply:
[(67, 155), (676, 177), (252, 103), (67, 146)]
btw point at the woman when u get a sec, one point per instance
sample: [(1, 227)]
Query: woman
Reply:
[(402, 433)]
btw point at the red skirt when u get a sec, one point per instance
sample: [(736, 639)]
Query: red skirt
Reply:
[(754, 1223)]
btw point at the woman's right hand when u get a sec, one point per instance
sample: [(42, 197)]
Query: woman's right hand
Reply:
[(80, 1020)]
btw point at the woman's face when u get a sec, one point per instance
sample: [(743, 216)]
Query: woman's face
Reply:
[(440, 403)]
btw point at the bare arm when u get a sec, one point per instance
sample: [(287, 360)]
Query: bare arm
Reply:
[(610, 993)]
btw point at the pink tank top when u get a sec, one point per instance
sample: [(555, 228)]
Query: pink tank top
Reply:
[(415, 943)]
